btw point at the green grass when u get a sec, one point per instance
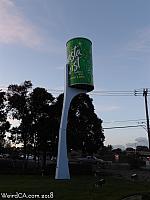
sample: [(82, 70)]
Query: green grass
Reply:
[(78, 188)]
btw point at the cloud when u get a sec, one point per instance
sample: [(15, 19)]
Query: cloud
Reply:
[(102, 108), (14, 28), (60, 68), (141, 43), (131, 145), (141, 141)]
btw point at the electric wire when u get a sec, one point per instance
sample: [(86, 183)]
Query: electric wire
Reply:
[(124, 121), (121, 127), (137, 92), (123, 93)]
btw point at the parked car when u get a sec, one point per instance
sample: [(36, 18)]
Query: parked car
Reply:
[(90, 159)]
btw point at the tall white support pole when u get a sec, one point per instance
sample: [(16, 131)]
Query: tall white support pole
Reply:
[(62, 168)]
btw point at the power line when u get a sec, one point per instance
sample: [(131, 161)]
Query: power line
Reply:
[(120, 121), (107, 93), (137, 92), (120, 127)]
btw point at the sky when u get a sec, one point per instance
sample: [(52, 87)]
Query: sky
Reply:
[(33, 36)]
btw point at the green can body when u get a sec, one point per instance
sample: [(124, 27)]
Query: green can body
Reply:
[(79, 58)]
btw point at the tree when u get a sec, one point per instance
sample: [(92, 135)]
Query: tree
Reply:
[(4, 124), (89, 136), (84, 130), (43, 124), (117, 151), (39, 114), (56, 111), (34, 111), (19, 108), (142, 148)]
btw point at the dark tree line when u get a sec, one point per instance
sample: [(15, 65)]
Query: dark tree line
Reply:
[(39, 114)]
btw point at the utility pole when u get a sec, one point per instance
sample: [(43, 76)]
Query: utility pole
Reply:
[(145, 92)]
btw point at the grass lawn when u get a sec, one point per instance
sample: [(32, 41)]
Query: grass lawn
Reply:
[(78, 188)]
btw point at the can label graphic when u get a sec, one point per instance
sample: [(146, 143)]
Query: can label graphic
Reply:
[(79, 58)]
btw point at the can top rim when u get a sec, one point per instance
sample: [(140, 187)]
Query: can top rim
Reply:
[(79, 38)]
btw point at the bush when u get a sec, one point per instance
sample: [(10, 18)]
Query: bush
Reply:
[(135, 162)]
